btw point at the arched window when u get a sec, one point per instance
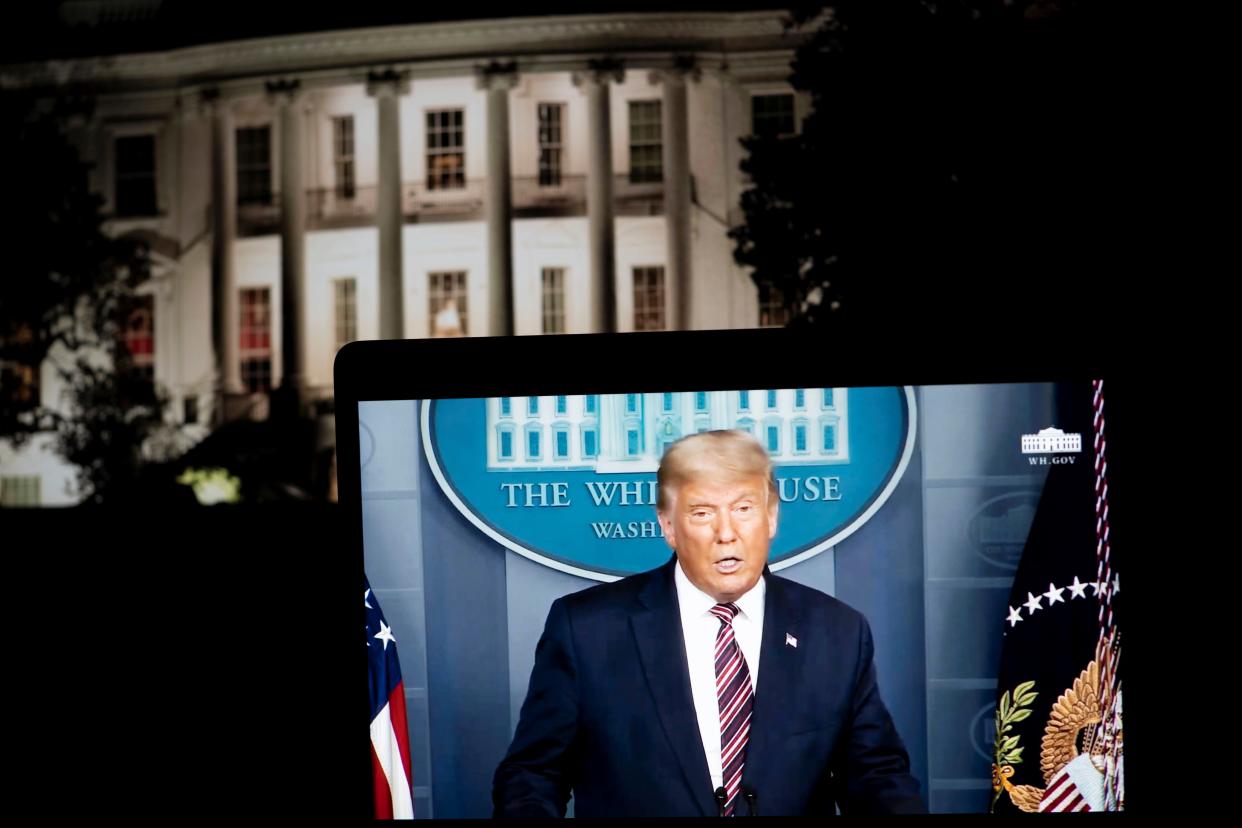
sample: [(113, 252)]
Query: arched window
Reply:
[(590, 440), (560, 441), (534, 442), (800, 445), (504, 441), (828, 435)]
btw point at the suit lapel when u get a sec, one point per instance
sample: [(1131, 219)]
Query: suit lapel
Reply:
[(661, 646), (778, 667)]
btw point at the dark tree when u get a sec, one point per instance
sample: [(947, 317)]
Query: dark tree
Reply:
[(959, 161), (66, 295)]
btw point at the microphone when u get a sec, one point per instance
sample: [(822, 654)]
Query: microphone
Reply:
[(752, 801), (722, 797)]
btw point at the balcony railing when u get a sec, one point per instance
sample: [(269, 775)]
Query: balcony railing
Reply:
[(421, 203), (535, 198), (337, 207), (637, 198), (259, 216)]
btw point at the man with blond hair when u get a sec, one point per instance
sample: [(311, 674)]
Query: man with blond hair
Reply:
[(645, 697)]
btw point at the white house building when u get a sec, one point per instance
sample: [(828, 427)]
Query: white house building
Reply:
[(629, 432), (522, 176)]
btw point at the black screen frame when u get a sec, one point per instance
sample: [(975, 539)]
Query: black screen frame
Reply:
[(463, 367)]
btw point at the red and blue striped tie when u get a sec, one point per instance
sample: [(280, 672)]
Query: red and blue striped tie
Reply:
[(736, 698)]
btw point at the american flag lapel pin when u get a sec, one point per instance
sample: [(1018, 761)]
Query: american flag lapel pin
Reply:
[(790, 641)]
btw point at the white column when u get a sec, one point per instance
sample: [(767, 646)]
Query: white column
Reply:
[(676, 140), (286, 96), (225, 323), (601, 229), (497, 79), (386, 88)]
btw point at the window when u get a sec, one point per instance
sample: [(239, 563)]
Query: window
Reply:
[(506, 407), (667, 403), (532, 406), (646, 143), (592, 403), (19, 378), (256, 339), (631, 403), (20, 490), (746, 424), (254, 165), (772, 310), (562, 404), (343, 155), (551, 143), (446, 150), (506, 443), (799, 434), (631, 441), (827, 398), (774, 439), (665, 437), (700, 400), (830, 438), (800, 398), (189, 410), (345, 310), (772, 115), (135, 176), (532, 443), (448, 308), (553, 279), (743, 400), (139, 336), (649, 298), (590, 442), (771, 400), (562, 442)]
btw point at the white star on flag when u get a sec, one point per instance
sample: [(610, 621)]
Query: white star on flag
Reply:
[(1032, 604), (365, 596), (1117, 584), (1015, 615), (1054, 595), (385, 634), (1078, 589)]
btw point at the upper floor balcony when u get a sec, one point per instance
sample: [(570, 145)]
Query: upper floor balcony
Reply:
[(531, 197)]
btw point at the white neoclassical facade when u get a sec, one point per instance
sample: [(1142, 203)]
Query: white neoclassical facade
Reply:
[(1051, 440), (622, 433), (522, 176)]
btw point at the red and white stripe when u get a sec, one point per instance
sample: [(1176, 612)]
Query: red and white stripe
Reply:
[(735, 697), (390, 759), (1063, 795), (1108, 646), (1104, 590)]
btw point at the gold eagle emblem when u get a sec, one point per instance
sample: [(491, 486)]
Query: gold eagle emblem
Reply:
[(1074, 711)]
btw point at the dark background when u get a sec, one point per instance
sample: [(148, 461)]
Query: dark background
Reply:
[(167, 660)]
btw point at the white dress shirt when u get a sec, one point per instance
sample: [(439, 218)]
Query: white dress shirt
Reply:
[(699, 627)]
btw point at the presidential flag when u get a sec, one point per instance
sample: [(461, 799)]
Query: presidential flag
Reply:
[(390, 739), (1058, 735)]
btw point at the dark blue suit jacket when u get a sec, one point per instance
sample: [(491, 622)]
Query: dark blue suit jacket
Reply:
[(609, 714)]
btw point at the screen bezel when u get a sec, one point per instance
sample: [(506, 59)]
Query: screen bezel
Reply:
[(473, 367)]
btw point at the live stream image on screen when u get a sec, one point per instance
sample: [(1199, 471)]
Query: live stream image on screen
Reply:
[(955, 528)]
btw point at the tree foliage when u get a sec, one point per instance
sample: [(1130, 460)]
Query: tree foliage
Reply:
[(954, 158), (66, 294)]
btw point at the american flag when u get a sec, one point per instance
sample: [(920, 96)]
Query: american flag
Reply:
[(1058, 741), (390, 738)]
